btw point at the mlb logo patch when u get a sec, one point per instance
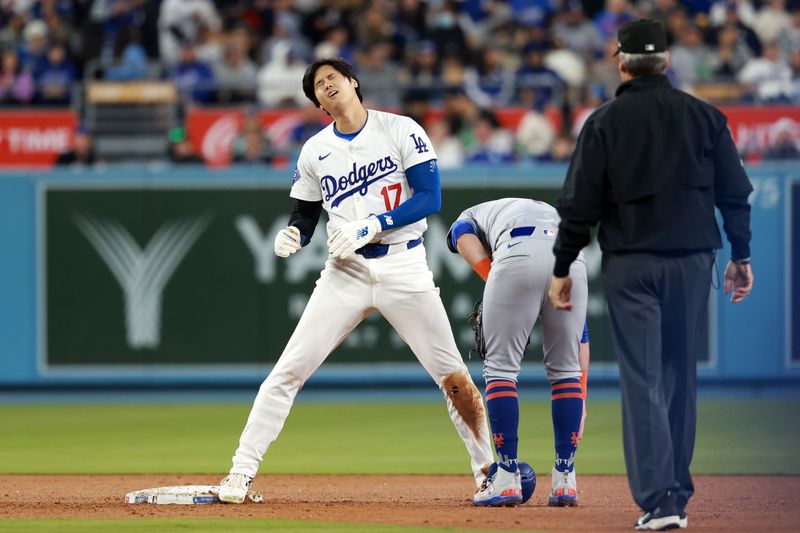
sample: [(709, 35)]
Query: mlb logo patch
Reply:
[(649, 47), (295, 176), (549, 232)]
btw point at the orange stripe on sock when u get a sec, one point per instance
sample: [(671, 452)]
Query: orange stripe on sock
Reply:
[(566, 386), (565, 395), (503, 394), (495, 384)]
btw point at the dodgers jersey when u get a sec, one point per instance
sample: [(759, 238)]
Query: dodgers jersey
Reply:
[(364, 176), (493, 221)]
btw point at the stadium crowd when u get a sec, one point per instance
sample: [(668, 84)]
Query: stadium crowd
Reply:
[(467, 59)]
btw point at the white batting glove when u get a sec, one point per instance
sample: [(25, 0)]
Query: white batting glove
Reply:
[(352, 236), (287, 241)]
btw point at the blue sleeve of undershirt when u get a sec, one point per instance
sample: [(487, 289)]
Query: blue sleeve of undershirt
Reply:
[(585, 337), (427, 199), (459, 228)]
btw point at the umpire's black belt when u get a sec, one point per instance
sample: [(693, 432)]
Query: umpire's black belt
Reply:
[(372, 251)]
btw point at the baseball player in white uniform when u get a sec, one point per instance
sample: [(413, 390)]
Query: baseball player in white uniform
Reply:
[(376, 176), (509, 243)]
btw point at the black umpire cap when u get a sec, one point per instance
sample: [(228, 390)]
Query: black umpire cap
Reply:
[(641, 36)]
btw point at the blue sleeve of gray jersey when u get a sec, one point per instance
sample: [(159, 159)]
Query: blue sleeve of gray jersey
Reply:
[(459, 228), (427, 199)]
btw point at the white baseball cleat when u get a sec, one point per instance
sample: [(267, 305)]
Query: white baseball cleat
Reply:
[(565, 489), (503, 488), (233, 489)]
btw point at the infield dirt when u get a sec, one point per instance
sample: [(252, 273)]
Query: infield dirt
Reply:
[(721, 503)]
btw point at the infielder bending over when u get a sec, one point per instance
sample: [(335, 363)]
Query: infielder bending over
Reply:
[(509, 244), (376, 175)]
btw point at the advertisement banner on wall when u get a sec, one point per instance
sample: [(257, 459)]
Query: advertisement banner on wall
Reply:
[(188, 276), (35, 138), (756, 129)]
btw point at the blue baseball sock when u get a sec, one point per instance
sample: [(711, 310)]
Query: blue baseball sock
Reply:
[(567, 408), (503, 406)]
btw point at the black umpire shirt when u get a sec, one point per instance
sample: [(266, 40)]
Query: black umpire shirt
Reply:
[(650, 166)]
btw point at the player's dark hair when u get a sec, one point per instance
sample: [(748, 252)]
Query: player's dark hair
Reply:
[(339, 64)]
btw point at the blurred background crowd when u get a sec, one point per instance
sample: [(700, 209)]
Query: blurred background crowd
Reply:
[(458, 67)]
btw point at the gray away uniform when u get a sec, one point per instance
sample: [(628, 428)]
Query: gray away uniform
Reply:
[(519, 234)]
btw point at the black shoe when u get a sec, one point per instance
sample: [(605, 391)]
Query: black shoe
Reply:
[(666, 516)]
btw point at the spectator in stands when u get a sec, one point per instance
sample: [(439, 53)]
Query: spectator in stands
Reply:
[(130, 59), (449, 151), (573, 31), (605, 69), (54, 78), (378, 75), (740, 14), (615, 14), (784, 139), (310, 123), (460, 112), (193, 78), (771, 19), (13, 27), (490, 83), (33, 51), (560, 151), (112, 17), (423, 77), (180, 149), (179, 22), (535, 133), (375, 26), (235, 75), (336, 44), (280, 80), (82, 151), (731, 55), (767, 78), (286, 34), (789, 37), (447, 31), (16, 84), (661, 10), (794, 64), (250, 145), (410, 20), (208, 45), (452, 71), (743, 12), (491, 144), (547, 85), (690, 58)]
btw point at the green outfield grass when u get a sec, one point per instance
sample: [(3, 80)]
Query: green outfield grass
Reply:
[(734, 437), (211, 526)]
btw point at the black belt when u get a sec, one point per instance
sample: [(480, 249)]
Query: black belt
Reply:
[(372, 251)]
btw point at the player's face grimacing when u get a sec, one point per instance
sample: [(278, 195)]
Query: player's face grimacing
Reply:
[(332, 88)]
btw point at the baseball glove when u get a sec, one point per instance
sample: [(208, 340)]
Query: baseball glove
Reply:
[(475, 321)]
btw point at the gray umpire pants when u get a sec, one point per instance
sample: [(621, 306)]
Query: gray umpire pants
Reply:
[(658, 308)]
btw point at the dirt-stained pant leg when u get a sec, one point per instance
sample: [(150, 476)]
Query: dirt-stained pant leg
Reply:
[(407, 297), (337, 304)]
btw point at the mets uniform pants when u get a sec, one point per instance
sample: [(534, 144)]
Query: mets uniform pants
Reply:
[(658, 308), (515, 296), (400, 286)]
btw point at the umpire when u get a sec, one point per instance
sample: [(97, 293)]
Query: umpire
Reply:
[(650, 166)]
